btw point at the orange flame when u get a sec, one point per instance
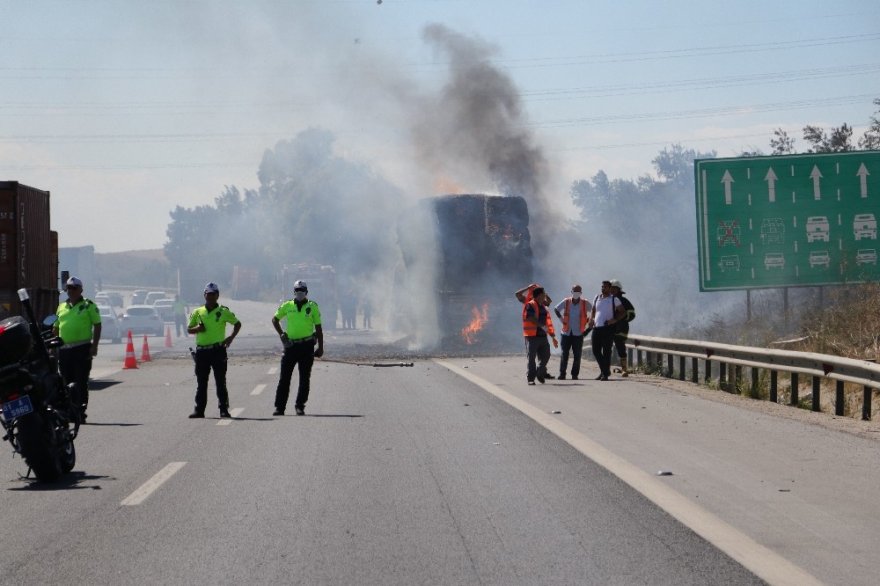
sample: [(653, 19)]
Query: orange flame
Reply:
[(448, 186), (479, 319)]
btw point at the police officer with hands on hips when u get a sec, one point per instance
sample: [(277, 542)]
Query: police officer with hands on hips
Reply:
[(303, 331), (79, 327), (208, 323)]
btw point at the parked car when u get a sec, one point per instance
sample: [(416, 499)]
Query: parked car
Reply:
[(110, 328), (138, 296), (154, 296), (165, 307), (142, 319)]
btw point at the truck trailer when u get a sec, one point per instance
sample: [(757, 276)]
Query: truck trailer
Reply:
[(28, 250)]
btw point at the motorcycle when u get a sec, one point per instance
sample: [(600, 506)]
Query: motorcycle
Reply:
[(38, 415)]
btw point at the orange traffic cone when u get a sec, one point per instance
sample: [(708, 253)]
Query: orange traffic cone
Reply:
[(130, 360), (168, 342), (145, 352)]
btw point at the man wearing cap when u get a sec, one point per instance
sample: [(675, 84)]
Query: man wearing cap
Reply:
[(79, 327), (208, 323), (607, 311), (574, 313), (302, 332), (622, 326)]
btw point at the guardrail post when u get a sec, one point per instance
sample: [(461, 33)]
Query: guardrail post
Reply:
[(695, 369), (629, 356), (708, 372), (681, 367), (839, 399), (755, 376), (774, 386), (670, 361), (639, 358), (866, 404), (722, 375), (737, 376), (816, 391), (794, 389)]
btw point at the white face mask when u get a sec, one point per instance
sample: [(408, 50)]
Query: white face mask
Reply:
[(299, 295), (576, 295)]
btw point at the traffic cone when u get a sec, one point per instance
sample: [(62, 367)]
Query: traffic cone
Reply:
[(145, 352), (168, 342), (130, 360)]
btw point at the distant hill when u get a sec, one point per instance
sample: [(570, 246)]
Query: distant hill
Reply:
[(135, 268)]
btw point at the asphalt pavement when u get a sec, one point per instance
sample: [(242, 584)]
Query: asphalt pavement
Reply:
[(450, 471)]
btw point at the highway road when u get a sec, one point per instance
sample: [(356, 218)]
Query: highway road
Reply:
[(449, 471)]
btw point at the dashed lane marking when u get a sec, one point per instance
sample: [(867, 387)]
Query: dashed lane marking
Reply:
[(234, 412), (273, 370), (258, 389), (151, 485), (765, 563)]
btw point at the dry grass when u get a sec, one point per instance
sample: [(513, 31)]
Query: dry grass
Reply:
[(841, 321)]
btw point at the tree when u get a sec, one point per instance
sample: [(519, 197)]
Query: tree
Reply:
[(840, 139), (781, 143), (676, 164), (871, 139)]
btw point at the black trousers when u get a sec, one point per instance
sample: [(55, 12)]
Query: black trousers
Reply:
[(603, 340), (209, 359), (538, 348), (75, 365), (302, 354), (575, 345)]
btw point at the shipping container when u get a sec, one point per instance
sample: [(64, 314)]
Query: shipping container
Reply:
[(28, 249)]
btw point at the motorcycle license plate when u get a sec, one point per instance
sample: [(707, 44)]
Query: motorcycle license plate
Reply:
[(17, 408)]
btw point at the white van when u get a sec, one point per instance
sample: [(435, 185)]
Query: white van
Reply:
[(818, 229), (865, 226)]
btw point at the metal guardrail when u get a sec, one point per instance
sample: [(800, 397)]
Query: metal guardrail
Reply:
[(818, 366)]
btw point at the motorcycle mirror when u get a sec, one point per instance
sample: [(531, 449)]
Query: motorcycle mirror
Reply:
[(50, 320)]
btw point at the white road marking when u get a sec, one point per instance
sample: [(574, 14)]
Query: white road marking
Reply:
[(763, 562), (273, 370), (234, 412), (258, 389), (151, 485)]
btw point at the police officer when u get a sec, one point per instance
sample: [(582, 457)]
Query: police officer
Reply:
[(208, 323), (79, 327), (303, 332)]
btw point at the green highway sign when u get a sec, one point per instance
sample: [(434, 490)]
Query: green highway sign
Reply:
[(787, 221)]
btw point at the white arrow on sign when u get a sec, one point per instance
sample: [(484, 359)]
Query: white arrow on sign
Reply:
[(815, 176), (863, 179), (727, 180), (771, 178)]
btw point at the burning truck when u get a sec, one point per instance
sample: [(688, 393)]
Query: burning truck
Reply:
[(463, 256)]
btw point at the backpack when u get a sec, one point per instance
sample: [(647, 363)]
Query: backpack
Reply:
[(628, 306)]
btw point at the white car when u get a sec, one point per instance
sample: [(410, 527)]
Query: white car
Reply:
[(142, 319), (110, 328), (165, 307)]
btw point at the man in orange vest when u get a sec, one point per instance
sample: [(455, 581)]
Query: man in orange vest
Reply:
[(574, 312), (537, 324)]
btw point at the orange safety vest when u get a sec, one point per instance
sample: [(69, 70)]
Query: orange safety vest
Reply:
[(531, 328), (583, 318)]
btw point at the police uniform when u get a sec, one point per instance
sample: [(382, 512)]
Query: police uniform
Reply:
[(211, 354), (75, 323), (299, 349)]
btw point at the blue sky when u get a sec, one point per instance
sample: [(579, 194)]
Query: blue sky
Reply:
[(124, 110)]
